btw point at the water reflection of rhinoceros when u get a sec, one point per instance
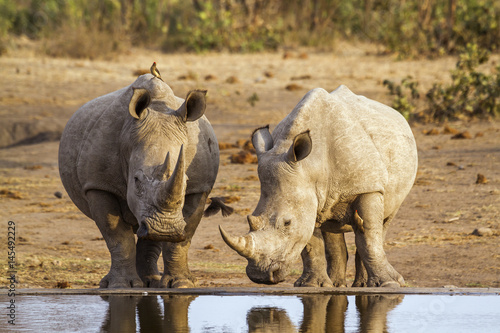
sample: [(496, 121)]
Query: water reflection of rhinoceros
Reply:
[(322, 313)]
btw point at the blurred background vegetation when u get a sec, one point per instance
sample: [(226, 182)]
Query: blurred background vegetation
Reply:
[(469, 29), (98, 28)]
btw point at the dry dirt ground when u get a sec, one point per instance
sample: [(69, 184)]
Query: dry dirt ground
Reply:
[(431, 241)]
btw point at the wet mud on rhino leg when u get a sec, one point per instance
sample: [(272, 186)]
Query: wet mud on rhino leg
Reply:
[(314, 272), (175, 255), (148, 253), (370, 240), (119, 237)]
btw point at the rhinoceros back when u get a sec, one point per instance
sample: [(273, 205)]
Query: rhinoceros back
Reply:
[(366, 145)]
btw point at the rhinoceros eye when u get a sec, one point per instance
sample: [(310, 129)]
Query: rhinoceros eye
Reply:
[(287, 223)]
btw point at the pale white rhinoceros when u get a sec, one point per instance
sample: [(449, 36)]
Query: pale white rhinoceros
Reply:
[(142, 160), (338, 162)]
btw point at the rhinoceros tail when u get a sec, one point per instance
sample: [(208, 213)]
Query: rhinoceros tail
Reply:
[(216, 205)]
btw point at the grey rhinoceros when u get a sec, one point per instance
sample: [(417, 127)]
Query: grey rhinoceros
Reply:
[(142, 160), (338, 162)]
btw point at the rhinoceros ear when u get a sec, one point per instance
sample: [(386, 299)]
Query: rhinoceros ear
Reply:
[(262, 140), (194, 105), (301, 147), (139, 102)]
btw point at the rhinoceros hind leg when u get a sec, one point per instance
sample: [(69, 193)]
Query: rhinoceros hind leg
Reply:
[(175, 255), (336, 258), (369, 242), (314, 273), (146, 262), (361, 278)]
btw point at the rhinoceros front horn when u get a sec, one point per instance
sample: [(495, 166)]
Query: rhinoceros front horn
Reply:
[(243, 245), (172, 190)]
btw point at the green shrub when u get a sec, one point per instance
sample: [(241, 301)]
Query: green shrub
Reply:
[(404, 102), (471, 93), (408, 28)]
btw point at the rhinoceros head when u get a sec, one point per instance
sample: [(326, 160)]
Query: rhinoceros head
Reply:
[(156, 172), (285, 216)]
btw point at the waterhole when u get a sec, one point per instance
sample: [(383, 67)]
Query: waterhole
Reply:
[(255, 313)]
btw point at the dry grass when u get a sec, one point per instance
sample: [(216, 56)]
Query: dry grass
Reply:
[(85, 43)]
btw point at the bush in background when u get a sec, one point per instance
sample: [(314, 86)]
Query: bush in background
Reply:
[(408, 28), (470, 94)]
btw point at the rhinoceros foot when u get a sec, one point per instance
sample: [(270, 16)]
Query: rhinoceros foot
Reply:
[(312, 279), (152, 281), (168, 281), (359, 283), (390, 279), (124, 280)]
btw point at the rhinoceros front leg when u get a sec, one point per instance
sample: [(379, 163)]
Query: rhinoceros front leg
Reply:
[(314, 273), (148, 253), (369, 237), (119, 237), (175, 255)]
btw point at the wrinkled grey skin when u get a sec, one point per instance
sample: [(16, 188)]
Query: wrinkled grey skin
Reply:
[(142, 160), (337, 163)]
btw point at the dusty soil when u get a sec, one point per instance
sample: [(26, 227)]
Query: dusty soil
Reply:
[(431, 241)]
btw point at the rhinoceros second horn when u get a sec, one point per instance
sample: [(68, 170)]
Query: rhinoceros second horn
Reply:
[(243, 245)]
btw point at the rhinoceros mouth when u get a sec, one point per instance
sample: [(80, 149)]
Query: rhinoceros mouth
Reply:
[(274, 274), (174, 233)]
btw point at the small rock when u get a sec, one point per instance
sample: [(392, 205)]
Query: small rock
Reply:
[(433, 131), (63, 284), (58, 195), (449, 130), (481, 179), (269, 74), (33, 167), (210, 77), (451, 164), (57, 263), (293, 87), (243, 157), (463, 135), (226, 145), (232, 80), (300, 77), (450, 286), (482, 232), (230, 199), (209, 247)]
